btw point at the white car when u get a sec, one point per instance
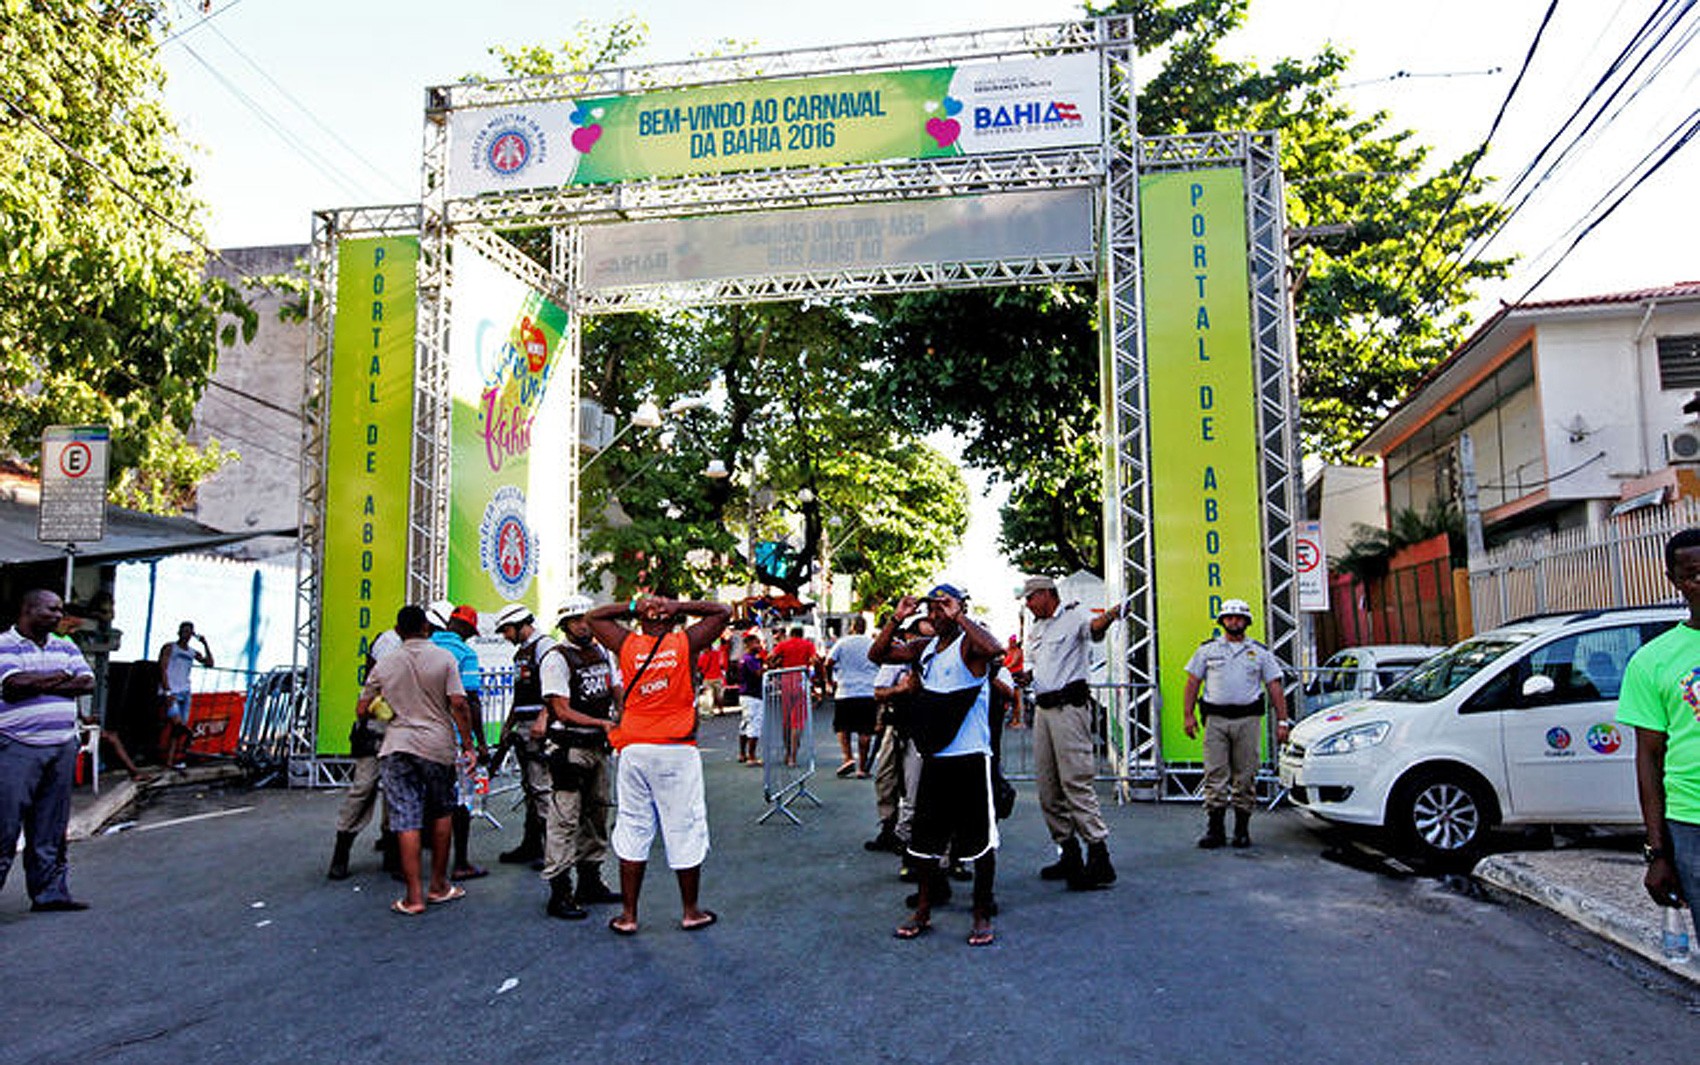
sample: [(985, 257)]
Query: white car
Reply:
[(1360, 672), (1510, 727)]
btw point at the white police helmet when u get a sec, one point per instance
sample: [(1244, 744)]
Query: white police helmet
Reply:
[(574, 606), (513, 614), (1234, 606), (438, 613)]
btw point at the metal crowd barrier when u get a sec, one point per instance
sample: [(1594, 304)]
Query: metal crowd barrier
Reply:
[(787, 740), (268, 718)]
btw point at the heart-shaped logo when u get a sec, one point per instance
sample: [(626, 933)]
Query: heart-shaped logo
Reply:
[(584, 137), (952, 106), (943, 130)]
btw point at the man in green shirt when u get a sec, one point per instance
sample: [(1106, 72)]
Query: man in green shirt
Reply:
[(1661, 701)]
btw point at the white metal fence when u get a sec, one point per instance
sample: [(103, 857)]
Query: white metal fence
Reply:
[(1620, 563)]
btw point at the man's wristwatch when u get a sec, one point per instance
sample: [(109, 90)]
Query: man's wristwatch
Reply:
[(1653, 854)]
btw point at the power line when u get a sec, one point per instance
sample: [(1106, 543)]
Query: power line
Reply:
[(250, 397), (1405, 75), (349, 184), (1682, 142), (192, 27), (353, 152), (194, 238)]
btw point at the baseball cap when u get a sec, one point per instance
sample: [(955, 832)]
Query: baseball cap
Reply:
[(947, 589), (465, 613), (1036, 584)]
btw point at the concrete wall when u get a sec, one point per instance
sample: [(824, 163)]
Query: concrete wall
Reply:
[(256, 413), (1348, 496)]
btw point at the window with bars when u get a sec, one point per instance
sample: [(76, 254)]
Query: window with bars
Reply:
[(1679, 362)]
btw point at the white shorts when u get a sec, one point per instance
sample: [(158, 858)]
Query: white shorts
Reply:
[(660, 784), (749, 719)]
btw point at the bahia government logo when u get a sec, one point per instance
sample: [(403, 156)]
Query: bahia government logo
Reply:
[(1558, 739), (507, 548), (1027, 116), (509, 144)]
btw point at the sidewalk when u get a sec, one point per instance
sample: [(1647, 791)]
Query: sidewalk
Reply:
[(91, 813), (1596, 886)]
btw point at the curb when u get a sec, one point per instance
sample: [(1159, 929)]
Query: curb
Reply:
[(101, 810), (1629, 931)]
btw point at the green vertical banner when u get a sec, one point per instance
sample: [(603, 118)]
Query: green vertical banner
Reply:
[(363, 574), (1206, 495), (513, 428)]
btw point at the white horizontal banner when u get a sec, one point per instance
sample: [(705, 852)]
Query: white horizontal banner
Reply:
[(1000, 226)]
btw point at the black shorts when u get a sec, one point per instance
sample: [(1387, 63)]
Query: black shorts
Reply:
[(854, 715), (953, 808), (416, 791)]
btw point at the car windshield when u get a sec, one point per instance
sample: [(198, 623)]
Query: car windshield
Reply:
[(1440, 675)]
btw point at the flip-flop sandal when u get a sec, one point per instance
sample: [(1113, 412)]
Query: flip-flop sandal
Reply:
[(912, 929), (982, 937), (708, 918), (471, 872), (454, 892), (400, 906), (619, 929), (846, 769)]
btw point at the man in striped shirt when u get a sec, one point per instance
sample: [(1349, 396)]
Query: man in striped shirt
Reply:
[(41, 676)]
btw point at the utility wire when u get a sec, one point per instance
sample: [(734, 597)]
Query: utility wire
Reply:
[(1404, 75), (349, 184), (193, 26), (353, 152), (1687, 136), (188, 234), (250, 397)]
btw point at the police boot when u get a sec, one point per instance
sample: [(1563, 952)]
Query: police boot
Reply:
[(339, 857), (591, 889), (530, 848), (1242, 828), (561, 902), (1067, 867), (1098, 872), (1214, 832)]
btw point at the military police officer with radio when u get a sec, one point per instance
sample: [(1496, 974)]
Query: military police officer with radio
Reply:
[(516, 624), (579, 687), (1232, 673)]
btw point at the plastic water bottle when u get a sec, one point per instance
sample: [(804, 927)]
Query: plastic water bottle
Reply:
[(1675, 936)]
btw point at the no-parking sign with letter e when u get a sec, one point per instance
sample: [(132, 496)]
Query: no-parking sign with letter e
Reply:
[(1311, 566), (73, 484)]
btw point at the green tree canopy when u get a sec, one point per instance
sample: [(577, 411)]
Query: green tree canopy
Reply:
[(1376, 305), (106, 313)]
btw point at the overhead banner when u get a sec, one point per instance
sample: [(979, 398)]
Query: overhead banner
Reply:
[(901, 233), (827, 120), (508, 515), (368, 449), (1206, 498)]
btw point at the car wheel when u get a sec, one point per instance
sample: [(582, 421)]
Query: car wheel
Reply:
[(1444, 817)]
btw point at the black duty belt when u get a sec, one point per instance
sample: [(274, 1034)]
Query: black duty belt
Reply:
[(1231, 711), (1073, 693)]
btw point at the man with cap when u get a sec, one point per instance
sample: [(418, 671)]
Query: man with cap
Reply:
[(580, 687), (660, 775), (516, 624), (451, 627), (953, 798), (1055, 660), (1226, 679)]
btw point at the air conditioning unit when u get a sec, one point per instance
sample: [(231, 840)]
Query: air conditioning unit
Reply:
[(1683, 445)]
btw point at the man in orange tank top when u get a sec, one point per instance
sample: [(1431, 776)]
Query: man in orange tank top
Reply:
[(660, 772)]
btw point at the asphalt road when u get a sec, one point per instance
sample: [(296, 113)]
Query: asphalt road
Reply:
[(220, 939)]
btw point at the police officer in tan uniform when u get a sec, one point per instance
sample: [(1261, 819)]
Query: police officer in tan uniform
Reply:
[(1232, 673)]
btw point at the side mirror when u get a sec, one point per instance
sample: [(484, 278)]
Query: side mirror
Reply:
[(1538, 685)]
